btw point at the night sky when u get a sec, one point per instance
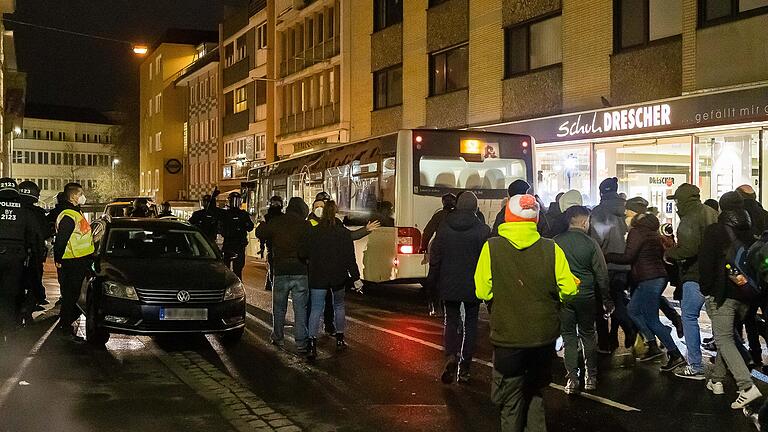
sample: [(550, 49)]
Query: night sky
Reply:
[(78, 71)]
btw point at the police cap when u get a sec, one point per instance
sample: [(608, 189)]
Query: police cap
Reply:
[(8, 188), (29, 191)]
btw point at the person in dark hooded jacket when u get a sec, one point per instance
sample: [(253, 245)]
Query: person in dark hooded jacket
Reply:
[(609, 228), (455, 252), (287, 234), (645, 253), (725, 300)]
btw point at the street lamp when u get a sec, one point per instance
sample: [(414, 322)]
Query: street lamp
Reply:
[(115, 162), (140, 50)]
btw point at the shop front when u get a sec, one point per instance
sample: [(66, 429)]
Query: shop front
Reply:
[(716, 140)]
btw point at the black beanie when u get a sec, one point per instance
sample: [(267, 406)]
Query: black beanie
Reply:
[(609, 185), (731, 201), (518, 187)]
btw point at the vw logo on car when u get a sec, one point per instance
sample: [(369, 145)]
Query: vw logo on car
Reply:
[(183, 296)]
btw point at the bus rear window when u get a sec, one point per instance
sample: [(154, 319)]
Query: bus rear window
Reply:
[(458, 173)]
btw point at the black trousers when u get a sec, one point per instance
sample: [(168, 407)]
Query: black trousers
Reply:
[(72, 273), (33, 281), (608, 338), (460, 336), (11, 272), (238, 263)]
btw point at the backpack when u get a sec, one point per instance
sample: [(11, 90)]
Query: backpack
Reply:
[(740, 259), (757, 258)]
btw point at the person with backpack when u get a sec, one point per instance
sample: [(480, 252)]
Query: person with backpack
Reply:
[(728, 287)]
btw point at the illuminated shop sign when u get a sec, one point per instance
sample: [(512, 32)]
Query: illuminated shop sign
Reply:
[(714, 109)]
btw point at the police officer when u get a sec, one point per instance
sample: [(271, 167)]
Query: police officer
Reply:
[(73, 254), (275, 208), (29, 194), (165, 211), (205, 218), (235, 226), (16, 231), (140, 208)]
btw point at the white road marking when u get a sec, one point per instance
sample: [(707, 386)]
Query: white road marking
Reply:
[(592, 397), (418, 330), (11, 382)]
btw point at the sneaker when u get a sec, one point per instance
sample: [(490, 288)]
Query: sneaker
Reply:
[(449, 373), (653, 352), (745, 397), (715, 387), (590, 383), (572, 386), (690, 373)]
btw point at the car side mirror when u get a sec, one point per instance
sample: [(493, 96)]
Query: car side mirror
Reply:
[(229, 256)]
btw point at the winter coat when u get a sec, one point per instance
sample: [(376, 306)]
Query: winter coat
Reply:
[(609, 228), (695, 217), (714, 250), (758, 216), (286, 234), (454, 255), (524, 314), (644, 251), (551, 223), (586, 262), (431, 228), (331, 255)]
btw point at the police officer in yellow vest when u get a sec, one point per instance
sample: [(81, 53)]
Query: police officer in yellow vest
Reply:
[(73, 253)]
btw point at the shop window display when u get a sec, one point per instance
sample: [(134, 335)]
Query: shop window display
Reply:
[(726, 161), (561, 169)]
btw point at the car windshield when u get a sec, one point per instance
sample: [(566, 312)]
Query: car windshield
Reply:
[(146, 243), (119, 210)]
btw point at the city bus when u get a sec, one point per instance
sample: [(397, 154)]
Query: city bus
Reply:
[(398, 179)]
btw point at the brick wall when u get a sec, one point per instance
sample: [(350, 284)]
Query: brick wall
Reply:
[(486, 61), (415, 63), (689, 45), (587, 47), (361, 80)]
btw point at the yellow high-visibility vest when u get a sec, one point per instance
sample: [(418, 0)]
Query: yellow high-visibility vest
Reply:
[(80, 243)]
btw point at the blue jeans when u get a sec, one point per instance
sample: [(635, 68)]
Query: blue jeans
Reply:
[(644, 310), (297, 286), (691, 306), (318, 308)]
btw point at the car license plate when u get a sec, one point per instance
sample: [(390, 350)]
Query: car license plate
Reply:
[(183, 314)]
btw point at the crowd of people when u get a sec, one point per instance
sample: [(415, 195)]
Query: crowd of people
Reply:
[(561, 271), (584, 274)]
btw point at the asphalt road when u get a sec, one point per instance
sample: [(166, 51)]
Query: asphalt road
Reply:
[(388, 380)]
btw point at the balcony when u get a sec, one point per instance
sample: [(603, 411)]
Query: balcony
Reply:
[(309, 57), (236, 72), (323, 116)]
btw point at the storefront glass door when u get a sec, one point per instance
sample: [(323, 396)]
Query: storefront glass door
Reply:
[(726, 161), (651, 169)]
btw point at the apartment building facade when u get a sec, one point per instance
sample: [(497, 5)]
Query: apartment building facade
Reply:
[(312, 63), (58, 145), (247, 85), (655, 92), (163, 112), (201, 128)]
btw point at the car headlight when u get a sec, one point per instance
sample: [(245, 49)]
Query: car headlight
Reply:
[(234, 291), (114, 289)]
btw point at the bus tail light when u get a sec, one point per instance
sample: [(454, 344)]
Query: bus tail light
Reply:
[(408, 240)]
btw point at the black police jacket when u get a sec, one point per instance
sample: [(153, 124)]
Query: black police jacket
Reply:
[(16, 223), (235, 226)]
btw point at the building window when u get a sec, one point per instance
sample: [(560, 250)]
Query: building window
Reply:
[(261, 36), (386, 13), (156, 181), (158, 141), (149, 107), (241, 100), (151, 68), (532, 46), (261, 92), (449, 70), (242, 48), (638, 22), (718, 11), (159, 67), (62, 136), (37, 134), (229, 55), (213, 128), (158, 98), (388, 87), (433, 3), (151, 144), (141, 182), (49, 135)]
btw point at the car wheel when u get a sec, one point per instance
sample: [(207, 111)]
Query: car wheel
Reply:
[(233, 336), (94, 334)]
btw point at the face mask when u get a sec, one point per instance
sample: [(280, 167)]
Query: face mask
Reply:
[(81, 200), (318, 212)]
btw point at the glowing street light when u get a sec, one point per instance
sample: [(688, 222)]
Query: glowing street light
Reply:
[(140, 49)]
